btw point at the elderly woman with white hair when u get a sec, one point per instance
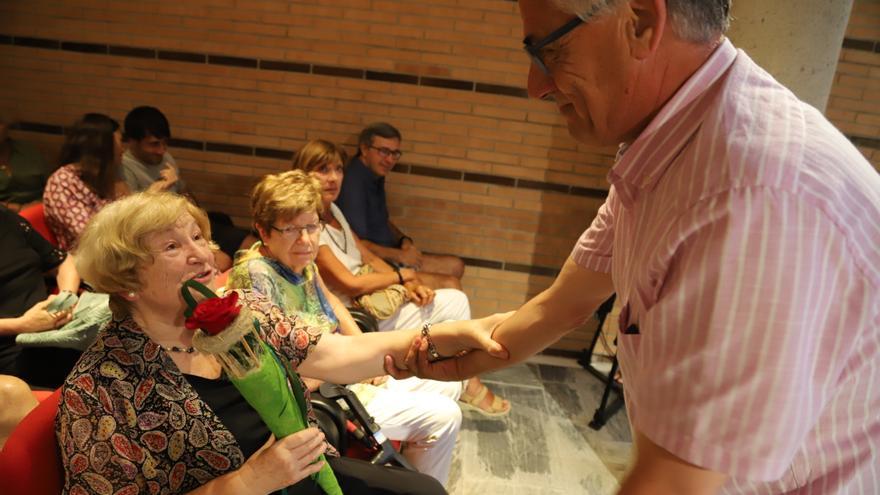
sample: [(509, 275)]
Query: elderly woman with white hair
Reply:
[(144, 412)]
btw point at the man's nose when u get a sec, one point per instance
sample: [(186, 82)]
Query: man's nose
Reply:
[(540, 85)]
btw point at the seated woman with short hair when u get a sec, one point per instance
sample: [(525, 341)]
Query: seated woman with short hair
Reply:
[(421, 413), (144, 412)]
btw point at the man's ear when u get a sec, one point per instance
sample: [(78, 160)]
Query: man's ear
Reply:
[(647, 26)]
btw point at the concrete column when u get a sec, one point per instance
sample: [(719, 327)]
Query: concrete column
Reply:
[(797, 41)]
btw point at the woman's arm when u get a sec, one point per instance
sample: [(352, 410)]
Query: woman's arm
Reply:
[(370, 257), (35, 319), (344, 281), (349, 359), (347, 325), (67, 276)]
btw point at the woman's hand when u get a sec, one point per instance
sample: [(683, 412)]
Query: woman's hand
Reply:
[(37, 319), (279, 464), (419, 294)]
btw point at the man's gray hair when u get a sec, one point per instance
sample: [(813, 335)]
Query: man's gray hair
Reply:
[(697, 21)]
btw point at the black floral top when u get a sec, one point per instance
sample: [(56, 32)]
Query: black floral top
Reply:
[(129, 422)]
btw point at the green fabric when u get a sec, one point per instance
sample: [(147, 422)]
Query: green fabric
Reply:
[(92, 312), (273, 389), (283, 409)]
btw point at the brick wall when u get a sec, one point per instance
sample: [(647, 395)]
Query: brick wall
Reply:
[(487, 173), (854, 105)]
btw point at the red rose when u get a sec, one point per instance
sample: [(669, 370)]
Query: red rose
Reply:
[(215, 314)]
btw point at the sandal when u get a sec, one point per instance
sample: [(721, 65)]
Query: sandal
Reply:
[(473, 402)]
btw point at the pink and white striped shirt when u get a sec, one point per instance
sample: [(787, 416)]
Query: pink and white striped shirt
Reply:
[(742, 232)]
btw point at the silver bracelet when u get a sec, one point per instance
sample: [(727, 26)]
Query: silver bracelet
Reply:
[(433, 355)]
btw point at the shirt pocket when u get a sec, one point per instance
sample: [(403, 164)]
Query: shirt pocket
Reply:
[(629, 335)]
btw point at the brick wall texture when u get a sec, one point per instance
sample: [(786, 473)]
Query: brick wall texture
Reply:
[(487, 173)]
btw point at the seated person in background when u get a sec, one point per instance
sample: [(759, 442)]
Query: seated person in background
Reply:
[(146, 413), (87, 181), (23, 171), (147, 166), (17, 400), (27, 258), (363, 202), (342, 255), (421, 413)]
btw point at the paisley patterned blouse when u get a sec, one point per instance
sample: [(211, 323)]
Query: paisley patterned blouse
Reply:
[(129, 422), (69, 205)]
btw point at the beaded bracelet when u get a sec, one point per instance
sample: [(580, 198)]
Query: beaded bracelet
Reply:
[(433, 355)]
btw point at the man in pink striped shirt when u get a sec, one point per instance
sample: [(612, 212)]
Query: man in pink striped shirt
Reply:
[(741, 234)]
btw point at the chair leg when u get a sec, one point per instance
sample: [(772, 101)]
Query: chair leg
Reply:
[(604, 412)]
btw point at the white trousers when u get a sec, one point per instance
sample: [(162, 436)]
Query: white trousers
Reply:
[(423, 414), (448, 304)]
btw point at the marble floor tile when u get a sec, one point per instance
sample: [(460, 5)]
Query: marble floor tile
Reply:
[(523, 375), (541, 446)]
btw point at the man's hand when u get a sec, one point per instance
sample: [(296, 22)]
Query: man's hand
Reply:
[(410, 255), (168, 174), (465, 340), (37, 319), (168, 179)]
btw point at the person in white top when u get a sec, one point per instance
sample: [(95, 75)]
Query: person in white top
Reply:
[(341, 254)]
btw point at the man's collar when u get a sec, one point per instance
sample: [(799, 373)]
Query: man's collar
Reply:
[(640, 165), (357, 161)]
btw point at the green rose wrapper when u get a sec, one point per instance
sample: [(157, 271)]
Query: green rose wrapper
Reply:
[(265, 381)]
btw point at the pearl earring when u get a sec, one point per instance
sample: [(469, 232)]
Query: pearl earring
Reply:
[(130, 294)]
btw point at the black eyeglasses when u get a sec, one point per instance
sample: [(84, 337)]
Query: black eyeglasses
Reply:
[(388, 152), (295, 231), (534, 49)]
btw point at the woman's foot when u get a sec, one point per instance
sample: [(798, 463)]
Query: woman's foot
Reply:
[(477, 397)]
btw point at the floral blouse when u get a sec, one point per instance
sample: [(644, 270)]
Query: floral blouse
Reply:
[(295, 294), (129, 422), (69, 205)]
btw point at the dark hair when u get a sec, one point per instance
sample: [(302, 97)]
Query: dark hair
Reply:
[(146, 121), (90, 143), (381, 129)]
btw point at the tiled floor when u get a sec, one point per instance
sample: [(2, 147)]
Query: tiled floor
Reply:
[(544, 446)]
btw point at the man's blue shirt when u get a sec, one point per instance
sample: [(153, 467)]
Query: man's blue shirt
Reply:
[(362, 200)]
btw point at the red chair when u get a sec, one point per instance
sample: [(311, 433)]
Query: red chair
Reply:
[(30, 463), (37, 218)]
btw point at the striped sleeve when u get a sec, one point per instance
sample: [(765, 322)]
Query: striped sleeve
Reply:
[(593, 248), (740, 352)]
